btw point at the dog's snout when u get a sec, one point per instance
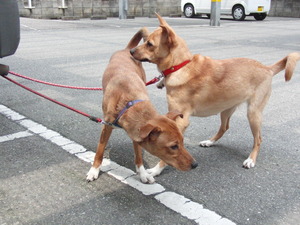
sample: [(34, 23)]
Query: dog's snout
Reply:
[(132, 51), (194, 165)]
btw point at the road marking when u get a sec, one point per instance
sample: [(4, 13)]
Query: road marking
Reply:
[(192, 210), (17, 135), (30, 28)]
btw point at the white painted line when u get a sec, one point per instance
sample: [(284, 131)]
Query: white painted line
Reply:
[(31, 28), (146, 189), (121, 173), (87, 156), (11, 137), (10, 114), (48, 134), (60, 140), (74, 148), (178, 203)]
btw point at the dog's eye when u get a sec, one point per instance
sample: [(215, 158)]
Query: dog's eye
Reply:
[(174, 147), (149, 44)]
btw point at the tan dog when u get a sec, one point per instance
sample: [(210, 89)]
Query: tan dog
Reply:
[(201, 86), (126, 104)]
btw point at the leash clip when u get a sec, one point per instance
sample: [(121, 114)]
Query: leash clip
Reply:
[(4, 69)]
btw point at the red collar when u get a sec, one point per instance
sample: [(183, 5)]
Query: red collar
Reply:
[(174, 68)]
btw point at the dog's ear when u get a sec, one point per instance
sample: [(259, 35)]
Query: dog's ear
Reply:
[(173, 115), (150, 131), (167, 29), (170, 34), (145, 33), (162, 22)]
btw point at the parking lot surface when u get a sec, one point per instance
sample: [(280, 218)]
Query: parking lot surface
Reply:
[(46, 150)]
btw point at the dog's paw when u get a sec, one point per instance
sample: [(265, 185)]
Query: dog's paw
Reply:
[(144, 175), (93, 174), (146, 178), (248, 163), (161, 84), (206, 143), (156, 170)]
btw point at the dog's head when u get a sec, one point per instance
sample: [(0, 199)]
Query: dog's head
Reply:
[(161, 46), (162, 138)]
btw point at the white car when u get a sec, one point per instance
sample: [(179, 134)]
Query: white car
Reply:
[(239, 9)]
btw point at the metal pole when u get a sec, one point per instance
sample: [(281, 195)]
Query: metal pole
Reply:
[(215, 12), (63, 4), (123, 8)]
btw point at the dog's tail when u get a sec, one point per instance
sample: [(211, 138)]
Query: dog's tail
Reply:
[(288, 63), (142, 33)]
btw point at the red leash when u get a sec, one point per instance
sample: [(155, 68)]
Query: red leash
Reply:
[(95, 119), (154, 80), (55, 85)]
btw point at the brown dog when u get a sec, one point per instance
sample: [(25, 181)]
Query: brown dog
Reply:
[(126, 104), (201, 86)]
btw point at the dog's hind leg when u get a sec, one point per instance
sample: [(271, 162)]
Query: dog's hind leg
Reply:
[(255, 124), (95, 169), (225, 117), (140, 169), (255, 108)]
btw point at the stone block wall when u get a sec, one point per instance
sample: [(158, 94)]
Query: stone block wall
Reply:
[(110, 8), (285, 8), (87, 8)]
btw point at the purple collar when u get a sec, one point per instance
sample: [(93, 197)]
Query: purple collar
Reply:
[(128, 105)]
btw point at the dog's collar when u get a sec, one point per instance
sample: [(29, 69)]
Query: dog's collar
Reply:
[(175, 68), (128, 105)]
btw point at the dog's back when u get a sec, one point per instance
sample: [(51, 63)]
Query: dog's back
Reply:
[(122, 64), (124, 78)]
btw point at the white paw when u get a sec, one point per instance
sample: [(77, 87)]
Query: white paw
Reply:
[(156, 170), (161, 84), (248, 163), (144, 176), (92, 174), (206, 143)]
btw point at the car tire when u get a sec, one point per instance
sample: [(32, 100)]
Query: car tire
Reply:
[(260, 16), (189, 11), (238, 13)]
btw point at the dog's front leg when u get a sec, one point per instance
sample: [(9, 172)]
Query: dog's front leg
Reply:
[(156, 170), (140, 169), (95, 169)]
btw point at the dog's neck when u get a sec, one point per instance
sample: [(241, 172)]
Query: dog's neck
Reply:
[(174, 60), (174, 68), (137, 117)]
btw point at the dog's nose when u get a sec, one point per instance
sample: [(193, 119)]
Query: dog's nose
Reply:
[(194, 165), (132, 51)]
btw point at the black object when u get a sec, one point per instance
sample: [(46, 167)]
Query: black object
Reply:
[(4, 69), (9, 27)]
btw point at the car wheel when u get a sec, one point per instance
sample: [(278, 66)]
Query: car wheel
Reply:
[(260, 16), (189, 11), (238, 13)]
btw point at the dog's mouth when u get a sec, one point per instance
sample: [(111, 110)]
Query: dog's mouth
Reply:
[(145, 60), (140, 60)]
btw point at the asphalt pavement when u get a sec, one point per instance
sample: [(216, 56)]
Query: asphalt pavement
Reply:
[(46, 150)]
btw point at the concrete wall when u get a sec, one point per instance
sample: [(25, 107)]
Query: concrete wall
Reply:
[(88, 8), (110, 8), (285, 8)]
